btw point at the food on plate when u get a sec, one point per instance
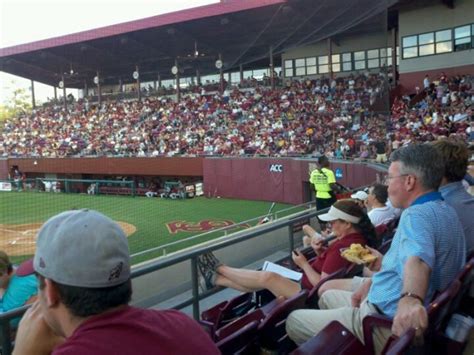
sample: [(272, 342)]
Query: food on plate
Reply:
[(358, 254)]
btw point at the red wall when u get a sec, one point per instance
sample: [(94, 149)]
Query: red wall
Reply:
[(247, 178), (409, 81), (243, 178)]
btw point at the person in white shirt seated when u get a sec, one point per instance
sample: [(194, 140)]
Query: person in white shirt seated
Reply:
[(379, 213)]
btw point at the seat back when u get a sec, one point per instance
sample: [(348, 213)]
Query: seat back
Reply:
[(242, 341), (332, 339), (313, 298), (272, 328), (385, 246), (439, 308), (465, 278), (227, 311), (237, 324)]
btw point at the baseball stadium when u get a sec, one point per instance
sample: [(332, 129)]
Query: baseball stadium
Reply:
[(261, 134)]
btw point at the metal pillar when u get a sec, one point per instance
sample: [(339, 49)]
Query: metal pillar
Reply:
[(99, 91), (139, 96), (394, 56), (272, 69), (178, 89), (64, 92), (33, 101), (330, 58), (241, 69)]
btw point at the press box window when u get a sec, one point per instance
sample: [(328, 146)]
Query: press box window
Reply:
[(359, 60), (410, 47), (462, 38), (311, 66), (346, 61), (336, 63), (323, 64), (444, 41), (373, 58), (288, 68)]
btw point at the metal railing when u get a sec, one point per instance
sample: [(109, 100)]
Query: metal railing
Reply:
[(188, 255)]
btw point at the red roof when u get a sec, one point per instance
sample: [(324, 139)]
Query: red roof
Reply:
[(150, 22)]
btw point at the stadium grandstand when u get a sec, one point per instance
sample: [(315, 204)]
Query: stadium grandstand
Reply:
[(197, 131)]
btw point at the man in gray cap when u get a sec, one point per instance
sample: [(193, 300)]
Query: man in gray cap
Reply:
[(83, 267)]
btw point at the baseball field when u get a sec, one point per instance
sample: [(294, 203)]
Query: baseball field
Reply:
[(150, 223)]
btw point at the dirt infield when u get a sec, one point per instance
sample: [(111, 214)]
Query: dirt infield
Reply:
[(20, 239)]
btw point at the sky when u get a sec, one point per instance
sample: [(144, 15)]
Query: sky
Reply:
[(24, 21)]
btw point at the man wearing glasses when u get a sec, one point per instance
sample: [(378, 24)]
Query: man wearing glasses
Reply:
[(426, 253)]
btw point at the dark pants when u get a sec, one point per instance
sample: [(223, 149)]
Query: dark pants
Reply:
[(322, 203)]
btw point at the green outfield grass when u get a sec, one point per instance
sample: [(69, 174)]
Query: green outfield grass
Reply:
[(149, 215)]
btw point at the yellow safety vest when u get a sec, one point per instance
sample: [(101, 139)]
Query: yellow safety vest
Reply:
[(321, 179)]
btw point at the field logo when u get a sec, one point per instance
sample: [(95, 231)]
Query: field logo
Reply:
[(276, 168), (201, 226)]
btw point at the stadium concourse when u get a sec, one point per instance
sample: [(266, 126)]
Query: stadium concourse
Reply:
[(322, 116)]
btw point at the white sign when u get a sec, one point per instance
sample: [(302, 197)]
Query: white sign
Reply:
[(276, 168), (5, 186)]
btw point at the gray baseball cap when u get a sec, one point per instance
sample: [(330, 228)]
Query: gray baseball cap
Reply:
[(82, 248)]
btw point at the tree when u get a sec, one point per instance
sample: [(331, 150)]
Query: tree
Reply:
[(18, 104)]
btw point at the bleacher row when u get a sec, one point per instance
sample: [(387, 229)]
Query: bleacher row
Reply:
[(253, 323), (334, 117)]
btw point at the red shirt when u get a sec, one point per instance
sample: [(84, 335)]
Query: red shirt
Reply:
[(331, 260), (133, 330)]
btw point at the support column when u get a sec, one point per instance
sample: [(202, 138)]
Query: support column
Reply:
[(221, 76), (120, 85), (139, 95), (198, 77), (86, 89), (330, 58), (178, 89), (394, 56), (64, 93), (55, 93), (241, 68), (159, 80), (272, 69), (33, 101), (99, 91)]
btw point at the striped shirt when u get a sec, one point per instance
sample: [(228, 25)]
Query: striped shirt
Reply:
[(458, 198), (430, 230)]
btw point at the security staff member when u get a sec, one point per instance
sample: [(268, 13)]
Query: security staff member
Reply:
[(324, 183)]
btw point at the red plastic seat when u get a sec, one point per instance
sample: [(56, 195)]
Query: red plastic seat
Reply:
[(242, 341)]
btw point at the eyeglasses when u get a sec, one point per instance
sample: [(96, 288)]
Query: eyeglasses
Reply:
[(388, 178)]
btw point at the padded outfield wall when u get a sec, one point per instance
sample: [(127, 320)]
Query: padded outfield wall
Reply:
[(283, 180)]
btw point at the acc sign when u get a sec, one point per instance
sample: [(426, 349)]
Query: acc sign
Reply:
[(338, 173), (276, 168)]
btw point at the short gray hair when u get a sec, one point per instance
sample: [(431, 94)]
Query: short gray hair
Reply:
[(422, 160)]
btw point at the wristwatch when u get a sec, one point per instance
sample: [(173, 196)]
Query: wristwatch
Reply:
[(413, 295)]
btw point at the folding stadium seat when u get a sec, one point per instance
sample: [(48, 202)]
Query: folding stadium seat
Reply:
[(336, 339), (271, 328), (313, 298), (437, 314), (225, 312), (242, 341), (271, 331)]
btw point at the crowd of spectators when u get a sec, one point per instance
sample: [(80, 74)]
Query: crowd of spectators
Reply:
[(335, 117)]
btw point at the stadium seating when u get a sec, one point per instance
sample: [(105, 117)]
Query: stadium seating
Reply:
[(299, 118)]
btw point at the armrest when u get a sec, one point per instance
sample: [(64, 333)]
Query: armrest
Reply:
[(369, 323)]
